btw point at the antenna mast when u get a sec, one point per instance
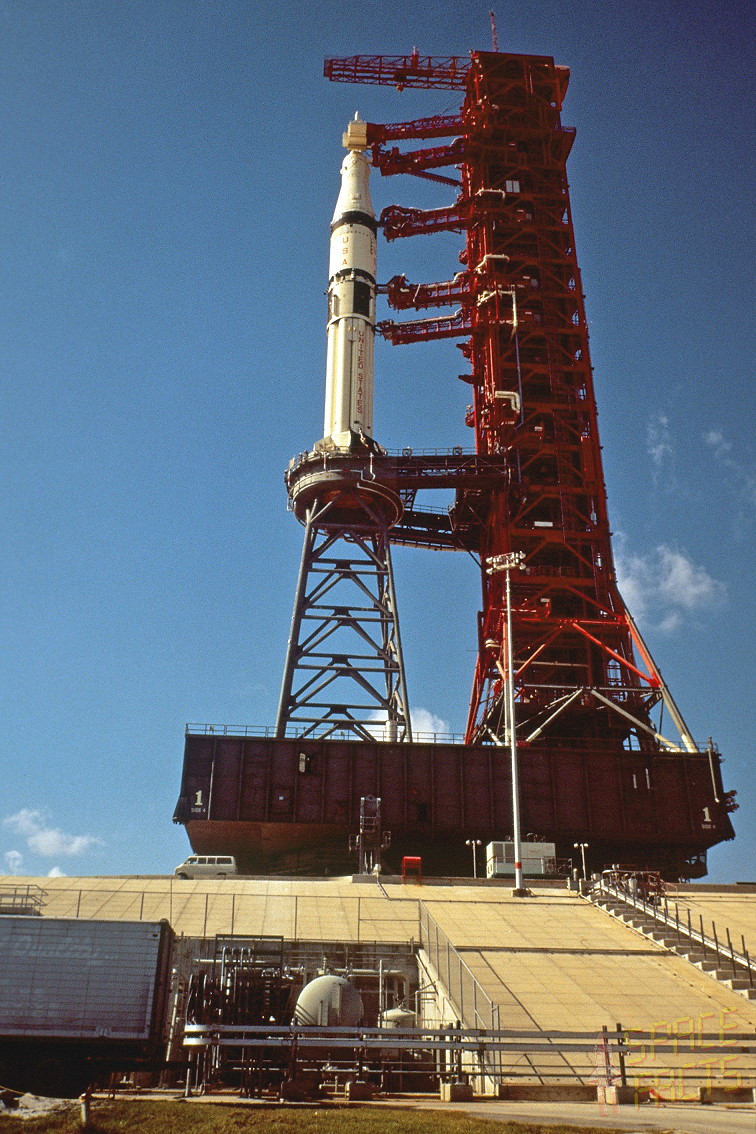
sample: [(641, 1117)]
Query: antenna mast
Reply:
[(494, 36)]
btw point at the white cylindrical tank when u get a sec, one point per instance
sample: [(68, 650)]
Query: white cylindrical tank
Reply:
[(329, 1001), (398, 1018), (351, 303)]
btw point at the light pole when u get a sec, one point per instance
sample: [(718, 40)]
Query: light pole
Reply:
[(474, 844), (582, 847), (506, 563)]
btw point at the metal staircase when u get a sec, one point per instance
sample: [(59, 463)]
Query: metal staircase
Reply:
[(638, 899)]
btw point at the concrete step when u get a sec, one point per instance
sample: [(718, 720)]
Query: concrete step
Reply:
[(727, 976), (724, 975), (678, 943), (742, 987), (707, 963)]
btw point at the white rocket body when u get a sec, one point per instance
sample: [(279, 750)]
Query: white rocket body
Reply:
[(351, 305)]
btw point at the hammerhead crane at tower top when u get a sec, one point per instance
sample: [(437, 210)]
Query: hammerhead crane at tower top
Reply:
[(604, 753)]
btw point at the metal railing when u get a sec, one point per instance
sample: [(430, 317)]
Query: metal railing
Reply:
[(463, 989), (656, 906), (22, 899), (292, 733), (229, 909), (406, 451), (634, 1057), (194, 728)]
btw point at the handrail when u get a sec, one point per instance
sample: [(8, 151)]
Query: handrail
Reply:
[(20, 898), (625, 1041), (269, 731), (618, 887), (591, 1057), (437, 945), (196, 728)]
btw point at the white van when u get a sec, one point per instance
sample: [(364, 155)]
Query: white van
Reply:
[(207, 866)]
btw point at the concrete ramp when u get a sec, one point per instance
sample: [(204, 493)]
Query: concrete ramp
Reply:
[(554, 963)]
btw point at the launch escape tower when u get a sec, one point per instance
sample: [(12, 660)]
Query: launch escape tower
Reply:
[(598, 760)]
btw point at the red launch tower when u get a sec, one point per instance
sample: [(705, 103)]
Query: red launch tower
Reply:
[(598, 761)]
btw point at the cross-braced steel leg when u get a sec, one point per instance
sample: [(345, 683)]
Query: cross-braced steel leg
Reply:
[(344, 669)]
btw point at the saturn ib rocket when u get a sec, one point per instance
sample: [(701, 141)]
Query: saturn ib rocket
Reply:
[(348, 422)]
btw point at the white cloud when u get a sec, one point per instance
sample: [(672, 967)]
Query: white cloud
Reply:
[(56, 872), (50, 842), (424, 723), (659, 439), (682, 583), (670, 623), (25, 821), (742, 477), (715, 439), (13, 861), (664, 585)]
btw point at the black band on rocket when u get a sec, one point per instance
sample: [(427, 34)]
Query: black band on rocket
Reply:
[(352, 273), (356, 218)]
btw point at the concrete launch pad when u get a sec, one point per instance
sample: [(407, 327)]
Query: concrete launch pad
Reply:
[(551, 963)]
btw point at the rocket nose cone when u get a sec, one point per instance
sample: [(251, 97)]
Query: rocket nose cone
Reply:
[(354, 196)]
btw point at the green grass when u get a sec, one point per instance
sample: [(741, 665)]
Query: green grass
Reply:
[(198, 1118)]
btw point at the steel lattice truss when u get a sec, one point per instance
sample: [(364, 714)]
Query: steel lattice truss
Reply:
[(581, 671), (344, 672), (600, 749)]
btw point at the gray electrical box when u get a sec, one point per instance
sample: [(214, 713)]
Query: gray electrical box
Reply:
[(537, 859)]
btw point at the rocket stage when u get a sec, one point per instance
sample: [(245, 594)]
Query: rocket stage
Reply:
[(289, 805)]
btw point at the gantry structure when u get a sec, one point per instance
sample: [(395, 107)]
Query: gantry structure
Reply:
[(534, 500), (562, 674)]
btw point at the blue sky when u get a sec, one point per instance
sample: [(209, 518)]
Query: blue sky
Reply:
[(169, 169)]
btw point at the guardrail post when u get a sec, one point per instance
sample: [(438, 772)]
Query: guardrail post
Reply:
[(461, 991), (716, 939), (748, 961), (607, 1057), (621, 1055), (732, 953)]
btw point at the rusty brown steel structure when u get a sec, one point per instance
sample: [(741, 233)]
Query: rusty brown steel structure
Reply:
[(290, 804)]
